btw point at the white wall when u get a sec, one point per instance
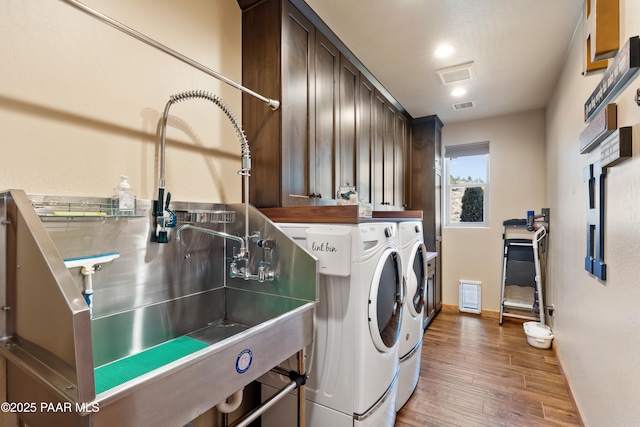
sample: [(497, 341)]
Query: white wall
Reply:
[(597, 324), (517, 184), (80, 101)]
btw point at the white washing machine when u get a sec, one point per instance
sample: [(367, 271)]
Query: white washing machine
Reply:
[(414, 262), (353, 364)]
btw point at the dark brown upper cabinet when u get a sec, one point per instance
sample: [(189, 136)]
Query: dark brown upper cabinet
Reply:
[(388, 154), (426, 175), (389, 150), (347, 163), (365, 135), (401, 161), (325, 143), (333, 126), (377, 150), (293, 148)]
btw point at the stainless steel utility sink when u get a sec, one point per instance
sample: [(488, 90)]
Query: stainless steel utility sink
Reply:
[(140, 389), (172, 335)]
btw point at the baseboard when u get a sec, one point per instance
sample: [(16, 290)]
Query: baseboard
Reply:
[(487, 314), (567, 381)]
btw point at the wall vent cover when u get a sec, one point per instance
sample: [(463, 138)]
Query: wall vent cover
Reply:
[(457, 73), (464, 105), (470, 296)]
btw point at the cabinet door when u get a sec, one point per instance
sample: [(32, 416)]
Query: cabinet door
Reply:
[(431, 292), (379, 107), (438, 275), (261, 42), (437, 195), (365, 134), (389, 154), (425, 194), (298, 47), (327, 68), (401, 159), (346, 161)]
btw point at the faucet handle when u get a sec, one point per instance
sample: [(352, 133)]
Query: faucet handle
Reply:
[(264, 274)]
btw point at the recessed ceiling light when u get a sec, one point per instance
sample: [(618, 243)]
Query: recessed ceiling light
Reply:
[(443, 51), (458, 92)]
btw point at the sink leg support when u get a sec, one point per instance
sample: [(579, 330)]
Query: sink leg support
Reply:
[(301, 389), (298, 380)]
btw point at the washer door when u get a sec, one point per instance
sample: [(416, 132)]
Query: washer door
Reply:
[(417, 280), (385, 301)]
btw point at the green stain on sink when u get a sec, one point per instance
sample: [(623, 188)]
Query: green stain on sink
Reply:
[(123, 370)]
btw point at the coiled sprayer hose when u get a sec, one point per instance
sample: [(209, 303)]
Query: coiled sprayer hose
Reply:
[(246, 156)]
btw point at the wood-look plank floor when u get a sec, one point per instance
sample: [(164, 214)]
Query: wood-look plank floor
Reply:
[(475, 372)]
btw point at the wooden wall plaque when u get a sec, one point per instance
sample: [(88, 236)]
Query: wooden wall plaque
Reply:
[(600, 127), (616, 147)]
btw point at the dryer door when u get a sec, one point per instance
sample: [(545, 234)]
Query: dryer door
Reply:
[(417, 279), (385, 301)]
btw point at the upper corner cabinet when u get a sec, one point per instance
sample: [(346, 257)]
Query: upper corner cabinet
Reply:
[(294, 147)]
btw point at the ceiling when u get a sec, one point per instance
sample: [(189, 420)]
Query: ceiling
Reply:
[(517, 46)]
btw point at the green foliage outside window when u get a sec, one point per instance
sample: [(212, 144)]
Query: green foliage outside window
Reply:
[(472, 205)]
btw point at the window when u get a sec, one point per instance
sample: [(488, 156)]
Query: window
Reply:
[(467, 185)]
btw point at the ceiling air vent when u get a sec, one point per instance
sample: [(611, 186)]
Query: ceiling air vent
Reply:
[(457, 73), (464, 105)]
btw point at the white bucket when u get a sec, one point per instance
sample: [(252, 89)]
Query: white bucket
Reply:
[(538, 334)]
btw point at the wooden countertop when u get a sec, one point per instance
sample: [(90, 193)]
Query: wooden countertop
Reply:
[(333, 214), (398, 215)]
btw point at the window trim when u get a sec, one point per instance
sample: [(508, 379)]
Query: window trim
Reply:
[(464, 150)]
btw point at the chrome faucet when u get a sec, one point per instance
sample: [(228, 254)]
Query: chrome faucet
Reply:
[(162, 213), (165, 219), (241, 254)]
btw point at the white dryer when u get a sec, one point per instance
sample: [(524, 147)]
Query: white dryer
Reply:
[(414, 262), (353, 362)]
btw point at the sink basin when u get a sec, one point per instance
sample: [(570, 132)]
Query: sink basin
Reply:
[(238, 348), (131, 344)]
